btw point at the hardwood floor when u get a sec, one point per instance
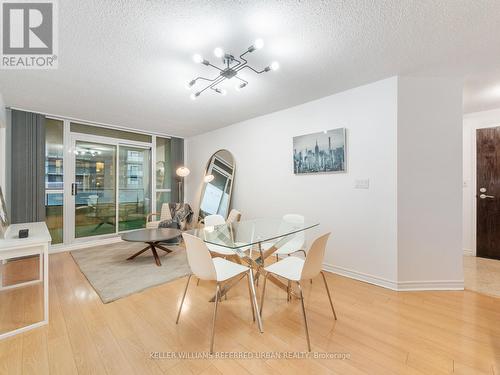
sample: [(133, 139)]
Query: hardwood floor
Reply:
[(383, 332)]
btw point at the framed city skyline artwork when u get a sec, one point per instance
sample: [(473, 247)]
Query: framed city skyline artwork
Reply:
[(323, 152)]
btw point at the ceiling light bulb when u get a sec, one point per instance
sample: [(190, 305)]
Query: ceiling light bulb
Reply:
[(259, 43), (194, 95), (275, 65), (190, 84), (218, 52), (223, 92), (197, 58)]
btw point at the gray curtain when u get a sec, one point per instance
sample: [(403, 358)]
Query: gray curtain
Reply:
[(27, 163), (177, 160)]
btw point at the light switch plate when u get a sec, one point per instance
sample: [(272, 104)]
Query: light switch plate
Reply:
[(362, 184)]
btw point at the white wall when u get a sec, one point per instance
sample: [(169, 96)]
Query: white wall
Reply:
[(471, 122), (362, 222), (404, 135), (430, 183)]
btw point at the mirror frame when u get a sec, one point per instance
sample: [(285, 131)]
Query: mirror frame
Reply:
[(204, 184)]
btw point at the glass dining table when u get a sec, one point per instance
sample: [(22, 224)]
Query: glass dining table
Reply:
[(252, 242)]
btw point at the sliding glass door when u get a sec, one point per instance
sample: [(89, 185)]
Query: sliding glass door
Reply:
[(94, 189), (134, 187), (111, 188)]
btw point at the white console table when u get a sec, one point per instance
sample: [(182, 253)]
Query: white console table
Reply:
[(36, 244)]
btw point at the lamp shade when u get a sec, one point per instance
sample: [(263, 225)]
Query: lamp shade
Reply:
[(208, 178), (182, 172)]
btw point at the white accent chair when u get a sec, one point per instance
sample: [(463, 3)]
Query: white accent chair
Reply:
[(233, 217), (216, 269), (164, 215), (296, 269)]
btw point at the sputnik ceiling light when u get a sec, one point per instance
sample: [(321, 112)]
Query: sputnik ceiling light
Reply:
[(231, 67)]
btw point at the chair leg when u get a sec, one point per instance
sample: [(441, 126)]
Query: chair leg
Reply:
[(263, 293), (288, 288), (250, 295), (277, 258), (198, 282), (329, 296), (182, 301), (217, 297), (305, 318)]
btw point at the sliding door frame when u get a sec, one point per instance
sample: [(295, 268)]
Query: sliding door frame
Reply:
[(70, 173)]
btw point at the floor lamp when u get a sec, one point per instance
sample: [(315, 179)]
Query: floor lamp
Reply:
[(181, 172)]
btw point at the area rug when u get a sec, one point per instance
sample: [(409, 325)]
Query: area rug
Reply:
[(114, 277)]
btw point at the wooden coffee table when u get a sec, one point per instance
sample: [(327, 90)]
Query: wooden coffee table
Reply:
[(152, 237)]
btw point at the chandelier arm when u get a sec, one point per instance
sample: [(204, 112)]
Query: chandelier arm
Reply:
[(217, 81), (237, 65), (241, 79), (205, 79), (214, 66), (249, 67)]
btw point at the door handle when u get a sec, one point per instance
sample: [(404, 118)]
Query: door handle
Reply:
[(74, 189), (484, 196)]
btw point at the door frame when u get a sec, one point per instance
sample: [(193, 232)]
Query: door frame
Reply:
[(473, 182), (69, 178)]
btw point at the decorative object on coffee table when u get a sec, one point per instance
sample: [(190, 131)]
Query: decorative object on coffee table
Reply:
[(153, 238)]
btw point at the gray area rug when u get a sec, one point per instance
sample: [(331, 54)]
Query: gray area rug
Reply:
[(113, 277)]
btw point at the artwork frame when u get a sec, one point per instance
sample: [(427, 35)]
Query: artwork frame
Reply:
[(321, 152), (4, 219)]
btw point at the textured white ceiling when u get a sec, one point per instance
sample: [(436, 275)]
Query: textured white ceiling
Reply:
[(482, 91), (127, 62)]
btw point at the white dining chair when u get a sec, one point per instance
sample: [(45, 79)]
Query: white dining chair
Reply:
[(213, 221), (295, 244), (233, 217), (296, 269), (215, 269)]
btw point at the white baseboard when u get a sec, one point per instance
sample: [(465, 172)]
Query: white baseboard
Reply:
[(468, 252), (82, 245), (375, 280), (396, 286), (431, 285)]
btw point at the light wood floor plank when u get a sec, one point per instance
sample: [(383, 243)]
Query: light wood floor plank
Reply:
[(382, 332)]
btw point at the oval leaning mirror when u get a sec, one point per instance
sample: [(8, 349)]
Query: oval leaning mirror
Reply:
[(217, 185)]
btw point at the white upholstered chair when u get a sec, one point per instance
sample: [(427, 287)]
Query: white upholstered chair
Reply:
[(216, 269), (164, 215), (234, 216), (296, 269)]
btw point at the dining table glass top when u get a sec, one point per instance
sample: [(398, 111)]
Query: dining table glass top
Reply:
[(246, 233)]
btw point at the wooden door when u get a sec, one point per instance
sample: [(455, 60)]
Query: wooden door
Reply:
[(488, 193)]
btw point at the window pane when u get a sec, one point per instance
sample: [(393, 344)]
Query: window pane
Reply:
[(163, 165), (54, 216), (105, 132), (95, 201), (54, 154), (134, 188), (162, 197)]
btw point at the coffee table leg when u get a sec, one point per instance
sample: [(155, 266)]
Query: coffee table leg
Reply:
[(155, 254), (139, 253), (162, 248)]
